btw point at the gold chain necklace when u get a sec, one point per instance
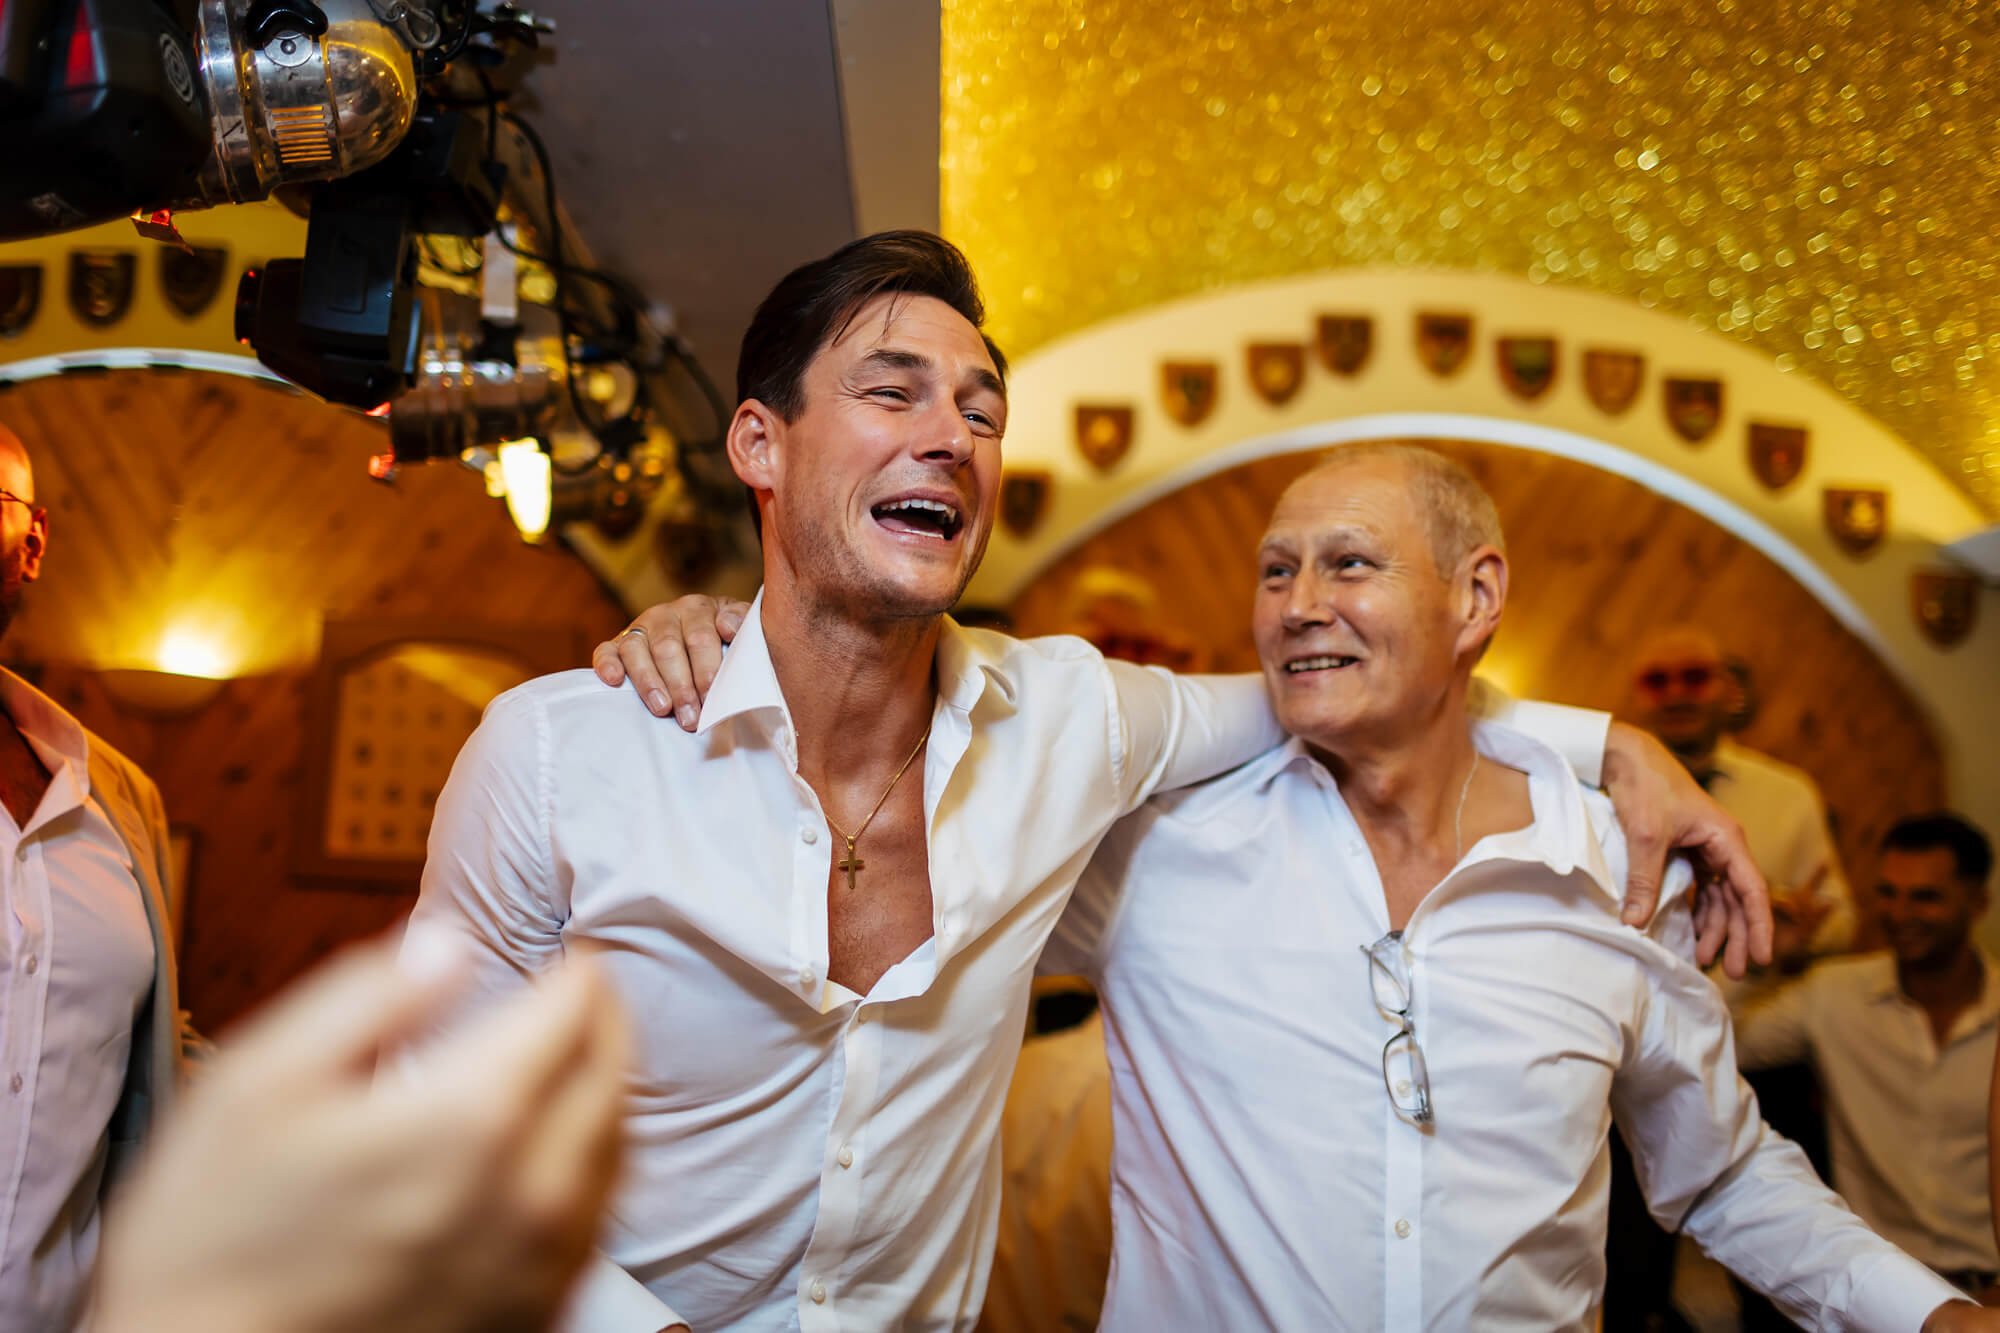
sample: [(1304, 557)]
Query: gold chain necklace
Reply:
[(851, 864)]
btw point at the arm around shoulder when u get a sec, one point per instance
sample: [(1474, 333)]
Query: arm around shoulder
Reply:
[(1171, 731)]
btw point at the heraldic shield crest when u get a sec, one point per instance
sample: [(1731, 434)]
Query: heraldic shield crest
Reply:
[(1857, 519), (1344, 342), (190, 279), (1946, 604), (1024, 499), (1103, 434), (101, 285), (1444, 342), (1528, 366), (1694, 407), (1187, 388), (20, 297), (1777, 453), (1613, 379), (1276, 370)]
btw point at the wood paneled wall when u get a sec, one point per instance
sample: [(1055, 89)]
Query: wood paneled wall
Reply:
[(180, 498), (1597, 561)]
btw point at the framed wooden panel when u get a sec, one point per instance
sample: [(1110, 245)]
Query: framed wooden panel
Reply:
[(391, 704)]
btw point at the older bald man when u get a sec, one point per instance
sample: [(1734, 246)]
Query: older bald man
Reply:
[(90, 1031)]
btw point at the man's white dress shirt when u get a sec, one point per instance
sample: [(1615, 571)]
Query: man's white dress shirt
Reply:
[(1906, 1116), (802, 1157), (1262, 1177), (76, 967)]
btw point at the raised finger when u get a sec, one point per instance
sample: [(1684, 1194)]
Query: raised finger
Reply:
[(335, 1021)]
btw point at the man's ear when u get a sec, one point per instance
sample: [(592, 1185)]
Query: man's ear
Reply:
[(1484, 589), (755, 436), (34, 545)]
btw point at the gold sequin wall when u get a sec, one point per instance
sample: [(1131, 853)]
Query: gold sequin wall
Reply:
[(1820, 180)]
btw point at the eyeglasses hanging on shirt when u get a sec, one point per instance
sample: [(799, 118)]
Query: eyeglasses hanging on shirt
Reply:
[(1405, 1077)]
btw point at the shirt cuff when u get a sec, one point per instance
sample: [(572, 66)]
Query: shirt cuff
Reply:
[(607, 1299), (1895, 1293)]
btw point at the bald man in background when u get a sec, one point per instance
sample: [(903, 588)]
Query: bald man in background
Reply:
[(90, 1028), (1682, 693)]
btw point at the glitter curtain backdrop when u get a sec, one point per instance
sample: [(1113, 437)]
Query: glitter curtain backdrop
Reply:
[(1820, 180)]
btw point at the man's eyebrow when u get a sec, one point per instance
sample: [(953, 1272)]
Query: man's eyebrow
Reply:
[(893, 358), (990, 382)]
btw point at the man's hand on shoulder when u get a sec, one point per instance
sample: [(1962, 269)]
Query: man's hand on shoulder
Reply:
[(1661, 809), (671, 652), (1962, 1317)]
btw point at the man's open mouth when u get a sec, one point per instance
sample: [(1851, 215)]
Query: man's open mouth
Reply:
[(1328, 662), (921, 518)]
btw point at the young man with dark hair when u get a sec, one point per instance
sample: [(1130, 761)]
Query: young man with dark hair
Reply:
[(824, 905), (1904, 1044)]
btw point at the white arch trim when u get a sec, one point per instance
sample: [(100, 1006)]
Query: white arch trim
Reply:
[(138, 358), (1655, 477)]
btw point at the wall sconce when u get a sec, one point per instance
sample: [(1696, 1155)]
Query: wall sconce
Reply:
[(190, 674), (159, 694)]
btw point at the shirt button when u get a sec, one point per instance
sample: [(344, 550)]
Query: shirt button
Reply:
[(846, 1158), (34, 964), (806, 977), (1402, 1087), (1354, 849), (14, 1083), (817, 1292), (860, 1017), (1403, 1228), (809, 836)]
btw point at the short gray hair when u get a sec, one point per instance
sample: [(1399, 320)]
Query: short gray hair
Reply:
[(1458, 514)]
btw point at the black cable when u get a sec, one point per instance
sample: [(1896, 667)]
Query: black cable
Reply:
[(470, 9), (563, 321), (492, 113), (691, 365)]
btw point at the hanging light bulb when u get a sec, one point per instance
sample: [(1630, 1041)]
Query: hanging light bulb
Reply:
[(524, 471)]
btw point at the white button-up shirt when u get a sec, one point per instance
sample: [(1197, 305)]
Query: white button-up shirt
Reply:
[(1262, 1176), (802, 1157), (76, 967), (1906, 1116)]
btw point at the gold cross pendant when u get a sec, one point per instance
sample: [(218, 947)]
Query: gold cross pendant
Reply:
[(851, 864)]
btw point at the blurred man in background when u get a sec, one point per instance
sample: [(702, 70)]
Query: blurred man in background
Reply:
[(1903, 1041), (1683, 693)]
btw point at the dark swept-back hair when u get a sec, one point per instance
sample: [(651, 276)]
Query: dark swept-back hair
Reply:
[(1971, 853), (813, 304)]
